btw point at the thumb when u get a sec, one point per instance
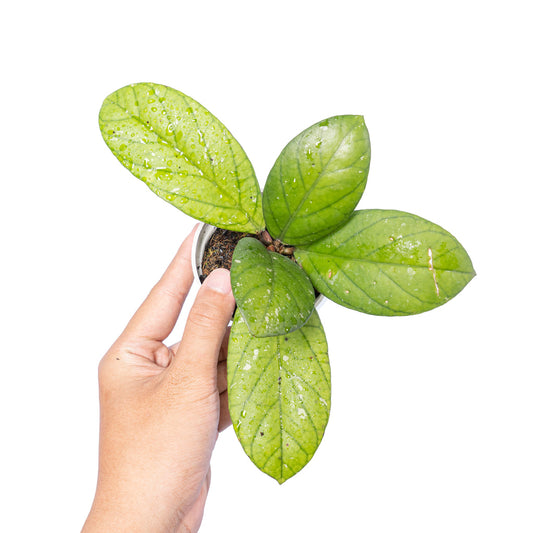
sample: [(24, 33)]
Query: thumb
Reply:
[(197, 356)]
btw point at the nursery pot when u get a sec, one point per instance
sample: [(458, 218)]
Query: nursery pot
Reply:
[(201, 240)]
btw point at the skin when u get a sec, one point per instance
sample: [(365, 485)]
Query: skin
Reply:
[(162, 407)]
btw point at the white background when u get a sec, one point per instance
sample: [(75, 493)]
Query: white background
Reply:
[(431, 422)]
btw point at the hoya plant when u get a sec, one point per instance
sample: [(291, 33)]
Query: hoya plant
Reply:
[(301, 237)]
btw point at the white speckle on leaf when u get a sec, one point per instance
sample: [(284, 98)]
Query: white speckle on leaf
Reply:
[(432, 270), (302, 413), (247, 366), (256, 352)]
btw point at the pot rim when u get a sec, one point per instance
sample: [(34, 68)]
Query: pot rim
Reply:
[(202, 235)]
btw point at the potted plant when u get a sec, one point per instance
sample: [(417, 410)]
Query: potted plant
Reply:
[(299, 237)]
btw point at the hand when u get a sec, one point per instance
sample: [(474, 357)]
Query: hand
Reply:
[(161, 408)]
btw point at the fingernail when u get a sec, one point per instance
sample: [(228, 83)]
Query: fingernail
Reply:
[(219, 280)]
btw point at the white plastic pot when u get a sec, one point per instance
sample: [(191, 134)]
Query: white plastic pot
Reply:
[(199, 244)]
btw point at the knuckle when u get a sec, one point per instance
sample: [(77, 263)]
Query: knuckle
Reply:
[(160, 288), (107, 369), (204, 316), (103, 368), (104, 371)]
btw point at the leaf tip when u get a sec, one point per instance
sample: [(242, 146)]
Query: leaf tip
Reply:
[(282, 478)]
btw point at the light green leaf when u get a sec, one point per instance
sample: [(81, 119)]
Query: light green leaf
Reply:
[(184, 154), (274, 294), (279, 395), (387, 263), (317, 180)]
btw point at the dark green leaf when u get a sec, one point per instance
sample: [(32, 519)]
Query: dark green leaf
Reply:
[(274, 294), (279, 395), (317, 180), (184, 154), (388, 263)]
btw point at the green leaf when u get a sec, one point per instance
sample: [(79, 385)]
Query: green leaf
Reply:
[(387, 263), (184, 154), (279, 395), (317, 180), (274, 294)]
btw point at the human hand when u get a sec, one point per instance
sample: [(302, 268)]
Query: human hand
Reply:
[(161, 408)]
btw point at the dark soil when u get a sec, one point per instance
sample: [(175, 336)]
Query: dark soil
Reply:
[(219, 250)]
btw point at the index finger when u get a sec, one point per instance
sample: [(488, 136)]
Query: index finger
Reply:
[(157, 315)]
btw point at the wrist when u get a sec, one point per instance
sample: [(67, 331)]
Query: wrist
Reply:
[(110, 513)]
